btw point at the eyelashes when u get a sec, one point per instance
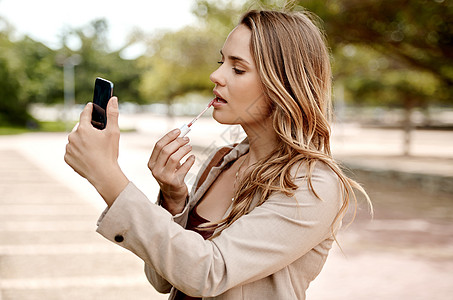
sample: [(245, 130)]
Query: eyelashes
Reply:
[(236, 70)]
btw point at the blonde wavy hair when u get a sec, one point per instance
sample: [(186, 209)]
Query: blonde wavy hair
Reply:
[(293, 62)]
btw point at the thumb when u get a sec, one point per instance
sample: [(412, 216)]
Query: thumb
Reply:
[(85, 115), (112, 112)]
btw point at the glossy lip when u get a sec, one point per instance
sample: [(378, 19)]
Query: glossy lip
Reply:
[(216, 103)]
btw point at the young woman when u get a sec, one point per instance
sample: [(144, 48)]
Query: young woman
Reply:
[(262, 214)]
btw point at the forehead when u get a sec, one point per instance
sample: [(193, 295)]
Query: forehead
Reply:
[(238, 43)]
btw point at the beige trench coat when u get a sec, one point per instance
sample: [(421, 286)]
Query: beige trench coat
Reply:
[(273, 252)]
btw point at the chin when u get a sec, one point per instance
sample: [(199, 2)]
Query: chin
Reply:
[(226, 120)]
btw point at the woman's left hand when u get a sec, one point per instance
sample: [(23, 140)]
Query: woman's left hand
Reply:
[(93, 153)]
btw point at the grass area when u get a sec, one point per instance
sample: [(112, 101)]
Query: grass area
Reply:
[(56, 126), (12, 130)]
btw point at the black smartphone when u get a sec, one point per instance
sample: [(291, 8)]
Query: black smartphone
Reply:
[(103, 91)]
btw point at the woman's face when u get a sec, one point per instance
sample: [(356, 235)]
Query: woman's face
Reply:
[(238, 88)]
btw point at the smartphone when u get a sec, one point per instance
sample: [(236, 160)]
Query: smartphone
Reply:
[(103, 91)]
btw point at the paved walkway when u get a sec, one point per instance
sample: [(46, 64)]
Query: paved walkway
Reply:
[(49, 250), (48, 245)]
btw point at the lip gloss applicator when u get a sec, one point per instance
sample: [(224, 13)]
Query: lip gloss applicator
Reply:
[(186, 127)]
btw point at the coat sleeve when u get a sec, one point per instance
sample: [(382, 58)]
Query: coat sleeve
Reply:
[(160, 283), (278, 232), (157, 281)]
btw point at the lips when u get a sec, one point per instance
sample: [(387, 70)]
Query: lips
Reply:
[(219, 98), (219, 102)]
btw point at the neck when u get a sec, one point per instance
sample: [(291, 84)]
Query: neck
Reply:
[(262, 141)]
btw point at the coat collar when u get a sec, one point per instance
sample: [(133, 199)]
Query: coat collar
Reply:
[(217, 162)]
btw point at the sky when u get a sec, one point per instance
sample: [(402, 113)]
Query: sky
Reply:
[(44, 20)]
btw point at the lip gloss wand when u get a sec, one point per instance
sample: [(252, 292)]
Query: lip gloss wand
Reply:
[(186, 127)]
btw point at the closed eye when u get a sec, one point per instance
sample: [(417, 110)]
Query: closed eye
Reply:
[(237, 71)]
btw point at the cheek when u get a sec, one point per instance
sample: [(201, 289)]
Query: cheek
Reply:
[(257, 110), (250, 90)]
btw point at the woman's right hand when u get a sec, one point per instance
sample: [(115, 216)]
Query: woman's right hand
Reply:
[(165, 165)]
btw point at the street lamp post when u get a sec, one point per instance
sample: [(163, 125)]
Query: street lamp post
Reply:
[(69, 94)]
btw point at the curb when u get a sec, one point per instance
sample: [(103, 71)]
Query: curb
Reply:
[(431, 183)]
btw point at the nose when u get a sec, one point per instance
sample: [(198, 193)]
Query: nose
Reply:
[(216, 77)]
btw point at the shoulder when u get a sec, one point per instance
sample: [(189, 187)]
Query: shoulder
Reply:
[(317, 182), (315, 202), (318, 171)]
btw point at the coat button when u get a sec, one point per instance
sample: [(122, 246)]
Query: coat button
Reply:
[(119, 238)]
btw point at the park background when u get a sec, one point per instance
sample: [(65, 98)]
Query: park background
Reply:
[(393, 75)]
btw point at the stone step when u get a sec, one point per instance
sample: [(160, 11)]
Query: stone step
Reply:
[(49, 237), (106, 288), (61, 261), (90, 217), (45, 210), (45, 193), (45, 226)]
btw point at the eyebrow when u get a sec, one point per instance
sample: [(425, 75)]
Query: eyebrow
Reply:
[(236, 58)]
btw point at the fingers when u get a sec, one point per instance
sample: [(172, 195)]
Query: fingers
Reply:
[(165, 162), (174, 159), (185, 167), (169, 154), (112, 113), (164, 141)]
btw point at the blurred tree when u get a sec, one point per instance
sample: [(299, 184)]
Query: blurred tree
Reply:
[(12, 110), (378, 80), (30, 72), (42, 80), (220, 17), (414, 39), (96, 60), (396, 53), (180, 63), (417, 33), (27, 75), (373, 79)]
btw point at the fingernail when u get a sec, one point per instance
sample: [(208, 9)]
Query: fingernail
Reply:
[(175, 131), (186, 138), (115, 101)]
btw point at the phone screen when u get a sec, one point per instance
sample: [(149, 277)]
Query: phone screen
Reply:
[(103, 91)]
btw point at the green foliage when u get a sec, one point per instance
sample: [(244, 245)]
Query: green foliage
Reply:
[(403, 49), (30, 72), (412, 36), (219, 17), (13, 105), (181, 63), (384, 52), (55, 126), (371, 78), (97, 61)]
